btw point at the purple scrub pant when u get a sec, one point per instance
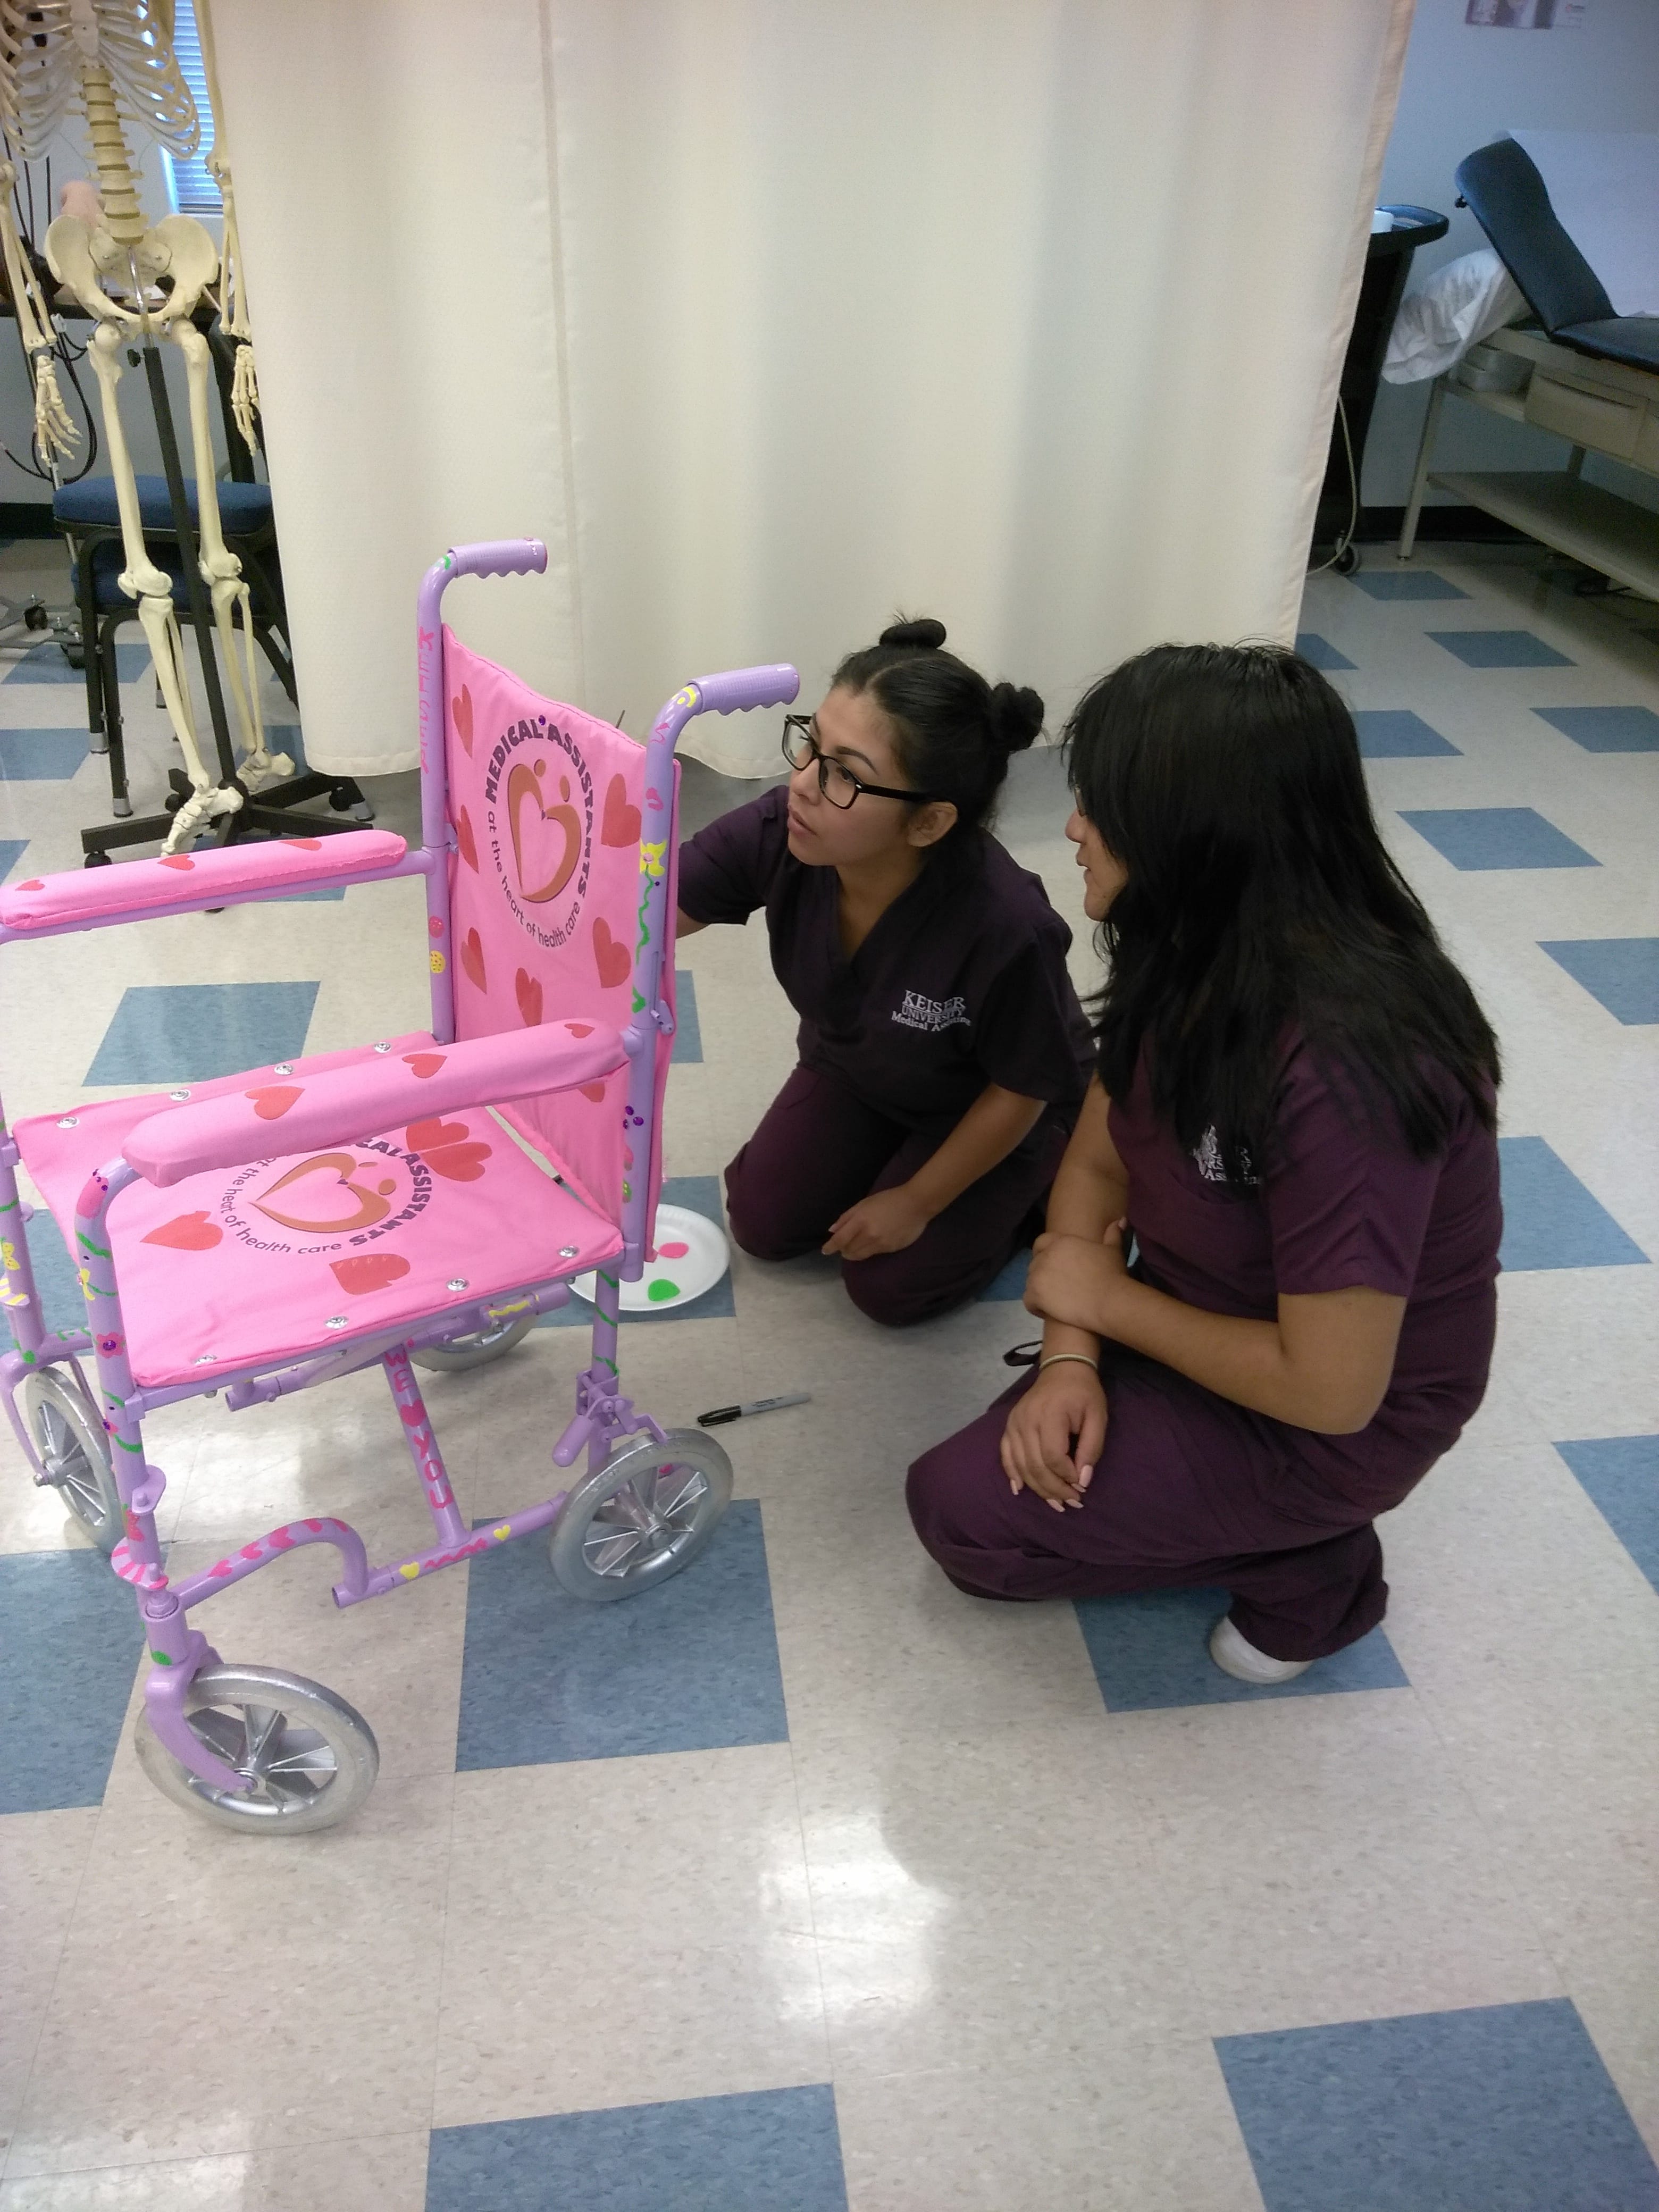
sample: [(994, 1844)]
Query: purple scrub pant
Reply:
[(1190, 1490), (820, 1149)]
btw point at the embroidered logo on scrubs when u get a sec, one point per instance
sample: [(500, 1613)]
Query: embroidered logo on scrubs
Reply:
[(538, 826), (1207, 1154), (919, 1012)]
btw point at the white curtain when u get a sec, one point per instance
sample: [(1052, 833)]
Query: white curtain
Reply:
[(773, 317)]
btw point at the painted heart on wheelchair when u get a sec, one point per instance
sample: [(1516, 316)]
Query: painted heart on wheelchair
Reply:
[(322, 1182), (461, 708), (465, 843), (621, 825), (547, 841), (368, 1271), (187, 1232), (429, 1136), (459, 1163), (527, 990)]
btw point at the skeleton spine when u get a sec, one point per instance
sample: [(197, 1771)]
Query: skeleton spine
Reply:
[(121, 210)]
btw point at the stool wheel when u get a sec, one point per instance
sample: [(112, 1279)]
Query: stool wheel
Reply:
[(75, 1454), (647, 1513), (311, 1756)]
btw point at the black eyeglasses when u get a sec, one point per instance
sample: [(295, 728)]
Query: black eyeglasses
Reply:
[(838, 784)]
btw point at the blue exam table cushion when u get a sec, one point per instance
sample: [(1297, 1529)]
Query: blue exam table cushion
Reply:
[(1632, 339)]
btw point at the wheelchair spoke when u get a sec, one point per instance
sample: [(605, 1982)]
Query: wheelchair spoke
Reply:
[(611, 1550), (222, 1733), (258, 1723), (686, 1490)]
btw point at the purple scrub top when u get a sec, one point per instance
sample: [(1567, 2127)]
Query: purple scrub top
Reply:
[(961, 983), (1341, 1203)]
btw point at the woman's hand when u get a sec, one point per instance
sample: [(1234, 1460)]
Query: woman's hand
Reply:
[(1066, 1400), (1074, 1280), (886, 1221)]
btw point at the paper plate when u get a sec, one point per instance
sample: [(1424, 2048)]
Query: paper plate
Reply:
[(691, 1257)]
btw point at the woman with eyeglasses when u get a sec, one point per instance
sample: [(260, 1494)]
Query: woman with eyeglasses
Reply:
[(942, 1051), (1292, 1117)]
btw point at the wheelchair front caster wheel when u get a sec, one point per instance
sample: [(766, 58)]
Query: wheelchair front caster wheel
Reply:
[(646, 1513), (311, 1756), (73, 1450), (478, 1351)]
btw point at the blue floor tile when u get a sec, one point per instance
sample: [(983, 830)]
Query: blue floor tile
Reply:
[(1320, 652), (187, 1032), (1151, 1651), (12, 850), (1606, 729), (68, 1650), (1008, 1288), (1621, 1474), (698, 1195), (46, 664), (1477, 837), (1501, 2108), (57, 1283), (1395, 733), (688, 1030), (769, 2150), (1404, 584), (1550, 1220), (1500, 649), (691, 1667), (40, 755), (1622, 972)]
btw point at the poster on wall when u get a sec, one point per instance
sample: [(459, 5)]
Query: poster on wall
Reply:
[(1526, 15)]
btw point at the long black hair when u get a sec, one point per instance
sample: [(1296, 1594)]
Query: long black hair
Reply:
[(952, 732), (1261, 901)]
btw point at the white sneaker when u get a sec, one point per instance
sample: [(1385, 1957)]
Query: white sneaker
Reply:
[(1244, 1663)]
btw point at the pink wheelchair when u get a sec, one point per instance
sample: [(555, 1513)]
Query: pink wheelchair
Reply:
[(437, 1193)]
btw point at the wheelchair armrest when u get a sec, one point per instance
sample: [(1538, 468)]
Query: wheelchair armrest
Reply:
[(347, 1104), (134, 889)]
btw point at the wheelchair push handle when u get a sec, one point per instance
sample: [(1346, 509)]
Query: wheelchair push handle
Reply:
[(737, 690), (499, 556)]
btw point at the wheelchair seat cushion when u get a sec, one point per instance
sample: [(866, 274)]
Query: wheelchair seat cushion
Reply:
[(255, 1266)]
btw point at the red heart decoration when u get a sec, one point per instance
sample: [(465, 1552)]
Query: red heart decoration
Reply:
[(580, 1029), (529, 993), (34, 883), (424, 1063), (472, 958), (274, 1100), (459, 1163), (177, 860), (368, 1271), (593, 1091), (614, 961), (432, 1136), (621, 826), (465, 841), (305, 844), (188, 1232), (461, 708)]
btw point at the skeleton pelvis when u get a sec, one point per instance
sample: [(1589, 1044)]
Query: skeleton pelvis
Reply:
[(83, 257)]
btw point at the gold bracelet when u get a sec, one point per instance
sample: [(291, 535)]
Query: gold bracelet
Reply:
[(1054, 1359)]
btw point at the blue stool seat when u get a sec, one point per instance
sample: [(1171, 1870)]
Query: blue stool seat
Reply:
[(108, 562), (244, 508)]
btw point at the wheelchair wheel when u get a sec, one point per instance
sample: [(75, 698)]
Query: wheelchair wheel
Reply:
[(463, 1351), (74, 1452), (312, 1757), (646, 1513)]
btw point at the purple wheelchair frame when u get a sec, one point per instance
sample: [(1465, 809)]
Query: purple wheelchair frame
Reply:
[(602, 1416)]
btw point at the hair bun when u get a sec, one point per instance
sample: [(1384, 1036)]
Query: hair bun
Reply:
[(1016, 714), (924, 632)]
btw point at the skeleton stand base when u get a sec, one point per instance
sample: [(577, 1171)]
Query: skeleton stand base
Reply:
[(268, 813)]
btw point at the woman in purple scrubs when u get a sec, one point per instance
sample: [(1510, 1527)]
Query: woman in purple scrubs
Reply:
[(1293, 1118), (942, 1051)]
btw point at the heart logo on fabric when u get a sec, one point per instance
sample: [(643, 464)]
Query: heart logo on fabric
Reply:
[(274, 1100), (621, 825), (465, 842), (320, 1186), (368, 1271), (424, 1063), (304, 844), (461, 709), (547, 841), (593, 1091), (188, 1232), (428, 1136), (528, 991), (614, 961), (443, 1145), (180, 861), (473, 959)]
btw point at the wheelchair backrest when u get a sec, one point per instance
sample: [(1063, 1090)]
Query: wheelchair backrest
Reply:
[(545, 887)]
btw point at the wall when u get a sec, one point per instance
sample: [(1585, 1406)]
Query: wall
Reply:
[(1464, 86)]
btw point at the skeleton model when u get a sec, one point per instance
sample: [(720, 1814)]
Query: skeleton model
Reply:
[(110, 58)]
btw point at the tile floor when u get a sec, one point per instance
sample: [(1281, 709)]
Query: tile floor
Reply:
[(804, 1882)]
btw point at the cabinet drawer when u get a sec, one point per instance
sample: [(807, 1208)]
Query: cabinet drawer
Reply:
[(1610, 426)]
